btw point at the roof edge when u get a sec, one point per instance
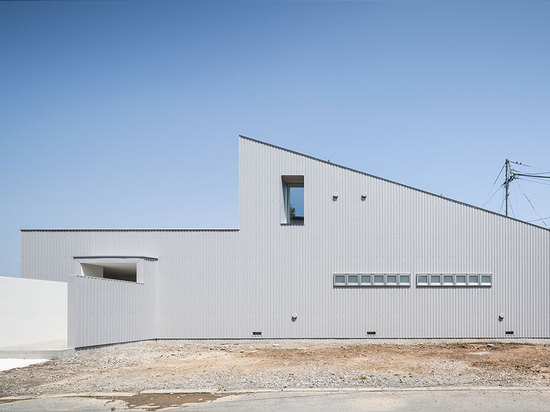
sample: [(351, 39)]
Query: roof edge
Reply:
[(391, 181), (129, 230), (117, 257)]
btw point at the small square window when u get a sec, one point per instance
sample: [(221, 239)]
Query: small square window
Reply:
[(460, 279), (422, 279), (473, 279), (435, 280), (391, 279), (353, 279), (404, 280), (485, 279), (448, 279), (378, 279), (339, 280), (365, 279)]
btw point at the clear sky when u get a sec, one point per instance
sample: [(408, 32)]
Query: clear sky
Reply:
[(126, 113)]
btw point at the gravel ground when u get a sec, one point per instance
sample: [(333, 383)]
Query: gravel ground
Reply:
[(244, 365)]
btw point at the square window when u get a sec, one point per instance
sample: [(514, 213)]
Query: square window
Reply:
[(293, 193), (378, 279), (422, 279), (448, 279), (485, 279), (353, 279), (473, 279), (365, 279), (435, 280), (460, 279), (339, 280), (404, 280), (391, 279)]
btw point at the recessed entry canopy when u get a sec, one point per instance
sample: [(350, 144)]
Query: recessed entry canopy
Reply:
[(111, 267), (114, 259)]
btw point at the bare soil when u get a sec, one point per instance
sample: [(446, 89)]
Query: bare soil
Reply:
[(241, 366)]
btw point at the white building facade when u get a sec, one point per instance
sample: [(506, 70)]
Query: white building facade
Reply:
[(370, 259)]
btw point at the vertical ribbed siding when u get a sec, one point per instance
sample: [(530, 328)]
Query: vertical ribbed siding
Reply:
[(227, 284), (103, 311), (395, 229)]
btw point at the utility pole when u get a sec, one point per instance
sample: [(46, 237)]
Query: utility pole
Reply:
[(512, 174), (507, 183)]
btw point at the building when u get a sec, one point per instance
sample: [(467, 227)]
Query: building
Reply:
[(322, 251)]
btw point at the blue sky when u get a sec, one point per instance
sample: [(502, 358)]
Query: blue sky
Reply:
[(126, 113)]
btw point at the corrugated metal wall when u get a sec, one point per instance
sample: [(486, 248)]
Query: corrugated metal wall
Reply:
[(102, 311), (218, 284)]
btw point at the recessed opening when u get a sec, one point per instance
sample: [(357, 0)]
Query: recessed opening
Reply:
[(256, 333), (293, 192), (371, 332), (509, 332), (117, 271)]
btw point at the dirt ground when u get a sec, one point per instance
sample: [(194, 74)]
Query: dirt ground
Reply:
[(241, 366)]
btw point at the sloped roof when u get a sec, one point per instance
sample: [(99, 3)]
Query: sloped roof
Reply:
[(391, 181)]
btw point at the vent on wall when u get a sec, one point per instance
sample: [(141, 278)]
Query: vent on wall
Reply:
[(509, 332), (256, 333), (371, 332)]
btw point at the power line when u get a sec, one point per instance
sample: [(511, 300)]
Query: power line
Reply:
[(488, 200), (534, 167), (494, 183), (532, 205), (536, 220), (533, 181), (514, 174), (512, 210), (501, 204), (499, 173), (538, 176)]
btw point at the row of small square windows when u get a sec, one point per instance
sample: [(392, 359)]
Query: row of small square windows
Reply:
[(359, 279), (460, 279), (397, 279)]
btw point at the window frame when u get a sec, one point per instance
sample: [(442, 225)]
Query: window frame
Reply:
[(446, 284), (338, 283), (465, 283), (399, 282), (83, 263), (288, 182), (419, 283)]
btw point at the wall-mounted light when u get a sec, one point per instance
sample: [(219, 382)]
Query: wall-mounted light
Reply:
[(335, 196), (363, 197)]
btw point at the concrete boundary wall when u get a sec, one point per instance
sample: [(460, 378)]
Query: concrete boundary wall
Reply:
[(32, 311)]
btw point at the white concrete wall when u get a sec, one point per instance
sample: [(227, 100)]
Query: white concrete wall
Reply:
[(32, 311)]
